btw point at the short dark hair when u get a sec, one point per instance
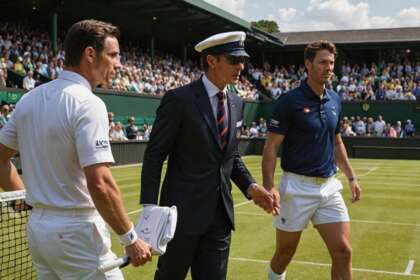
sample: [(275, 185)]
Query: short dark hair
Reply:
[(87, 33), (204, 64), (314, 47)]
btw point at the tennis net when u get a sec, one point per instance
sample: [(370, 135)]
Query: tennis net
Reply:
[(15, 261)]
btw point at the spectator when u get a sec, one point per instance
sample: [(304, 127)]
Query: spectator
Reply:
[(409, 129), (253, 130), (111, 120), (398, 129), (147, 131), (390, 131), (262, 128), (2, 78), (116, 132), (29, 81), (4, 115), (416, 90), (370, 127), (359, 126), (245, 131), (379, 127), (131, 130), (346, 129)]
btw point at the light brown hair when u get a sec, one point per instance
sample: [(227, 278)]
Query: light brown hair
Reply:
[(314, 47), (87, 33)]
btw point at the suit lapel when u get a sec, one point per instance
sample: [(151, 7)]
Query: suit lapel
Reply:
[(203, 102)]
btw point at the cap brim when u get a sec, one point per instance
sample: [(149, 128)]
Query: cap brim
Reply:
[(238, 53)]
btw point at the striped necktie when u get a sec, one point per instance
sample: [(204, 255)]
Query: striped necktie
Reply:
[(222, 120)]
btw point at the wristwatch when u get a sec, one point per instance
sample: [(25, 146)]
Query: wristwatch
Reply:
[(353, 179)]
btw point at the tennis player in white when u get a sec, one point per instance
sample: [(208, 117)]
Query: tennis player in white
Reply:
[(61, 132)]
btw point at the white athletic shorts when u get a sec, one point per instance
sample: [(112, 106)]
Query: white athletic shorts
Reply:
[(70, 244), (304, 198)]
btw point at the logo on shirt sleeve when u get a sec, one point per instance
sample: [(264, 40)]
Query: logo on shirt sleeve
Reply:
[(102, 144)]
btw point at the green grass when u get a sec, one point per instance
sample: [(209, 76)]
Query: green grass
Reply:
[(385, 227)]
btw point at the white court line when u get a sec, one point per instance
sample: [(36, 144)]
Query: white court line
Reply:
[(328, 265), (385, 223), (352, 220), (369, 171), (251, 156), (409, 268), (242, 203), (396, 184), (135, 211), (235, 206)]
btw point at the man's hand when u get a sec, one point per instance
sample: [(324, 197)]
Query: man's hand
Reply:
[(276, 201), (261, 197), (139, 252), (356, 191)]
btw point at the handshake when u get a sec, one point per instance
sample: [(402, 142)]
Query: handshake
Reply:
[(268, 200)]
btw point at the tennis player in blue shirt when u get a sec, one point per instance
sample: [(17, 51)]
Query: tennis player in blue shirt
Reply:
[(306, 122)]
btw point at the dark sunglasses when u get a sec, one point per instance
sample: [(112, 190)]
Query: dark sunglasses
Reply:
[(235, 60)]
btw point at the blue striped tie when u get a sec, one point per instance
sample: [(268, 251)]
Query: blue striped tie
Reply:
[(222, 120)]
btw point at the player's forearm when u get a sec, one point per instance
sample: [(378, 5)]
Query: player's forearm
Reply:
[(107, 199), (342, 160), (269, 165), (9, 178)]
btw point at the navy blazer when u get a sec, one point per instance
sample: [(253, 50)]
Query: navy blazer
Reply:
[(198, 172)]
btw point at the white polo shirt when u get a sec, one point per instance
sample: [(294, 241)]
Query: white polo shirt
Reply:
[(59, 128)]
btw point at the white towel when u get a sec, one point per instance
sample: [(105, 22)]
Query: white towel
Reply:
[(157, 226)]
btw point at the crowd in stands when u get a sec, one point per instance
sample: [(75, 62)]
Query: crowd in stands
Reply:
[(119, 132), (29, 54), (367, 126), (256, 129), (349, 126), (396, 79), (27, 51)]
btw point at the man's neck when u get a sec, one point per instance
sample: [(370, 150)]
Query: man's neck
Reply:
[(317, 88), (79, 70)]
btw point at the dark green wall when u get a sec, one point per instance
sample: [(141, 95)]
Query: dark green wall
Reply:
[(129, 104), (132, 104), (391, 111)]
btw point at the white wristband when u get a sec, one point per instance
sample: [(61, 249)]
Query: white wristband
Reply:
[(128, 238)]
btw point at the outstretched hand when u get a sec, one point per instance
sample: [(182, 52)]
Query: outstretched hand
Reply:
[(267, 200)]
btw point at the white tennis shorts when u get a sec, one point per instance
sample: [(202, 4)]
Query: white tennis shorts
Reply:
[(70, 244), (304, 199)]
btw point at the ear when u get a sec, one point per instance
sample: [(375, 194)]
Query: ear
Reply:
[(89, 53), (211, 60), (308, 64)]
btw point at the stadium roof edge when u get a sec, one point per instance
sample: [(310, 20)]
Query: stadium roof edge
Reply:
[(256, 33), (203, 5), (356, 36)]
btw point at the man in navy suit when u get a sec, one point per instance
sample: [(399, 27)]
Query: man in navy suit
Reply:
[(196, 127)]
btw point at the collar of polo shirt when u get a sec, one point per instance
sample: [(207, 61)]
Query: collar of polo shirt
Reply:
[(309, 93)]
